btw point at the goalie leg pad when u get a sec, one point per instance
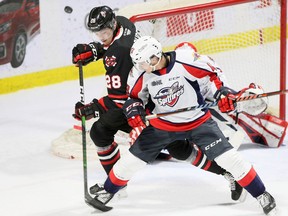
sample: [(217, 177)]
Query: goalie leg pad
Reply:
[(263, 129)]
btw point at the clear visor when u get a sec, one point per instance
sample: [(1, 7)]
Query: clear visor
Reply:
[(102, 35)]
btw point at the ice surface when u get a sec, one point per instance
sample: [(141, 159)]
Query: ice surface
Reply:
[(35, 182)]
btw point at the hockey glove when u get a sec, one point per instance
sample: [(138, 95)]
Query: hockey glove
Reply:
[(91, 110), (226, 99), (135, 113), (135, 132), (85, 53)]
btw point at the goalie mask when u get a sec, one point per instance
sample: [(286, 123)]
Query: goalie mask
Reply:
[(100, 18), (143, 50)]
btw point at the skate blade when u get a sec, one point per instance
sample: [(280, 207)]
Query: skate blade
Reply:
[(273, 212), (122, 193), (243, 196)]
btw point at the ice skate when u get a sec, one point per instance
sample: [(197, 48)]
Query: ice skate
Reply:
[(268, 204), (237, 192), (95, 189), (101, 194)]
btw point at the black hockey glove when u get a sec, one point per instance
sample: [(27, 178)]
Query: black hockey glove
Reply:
[(91, 110), (85, 53), (135, 113)]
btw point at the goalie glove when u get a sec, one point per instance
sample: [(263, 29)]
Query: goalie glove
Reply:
[(252, 107)]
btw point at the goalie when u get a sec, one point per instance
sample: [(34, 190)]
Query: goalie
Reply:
[(249, 118)]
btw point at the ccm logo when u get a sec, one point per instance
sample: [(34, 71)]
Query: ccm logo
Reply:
[(135, 104), (213, 144)]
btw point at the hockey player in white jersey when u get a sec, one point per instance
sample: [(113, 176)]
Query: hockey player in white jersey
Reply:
[(253, 123), (172, 81)]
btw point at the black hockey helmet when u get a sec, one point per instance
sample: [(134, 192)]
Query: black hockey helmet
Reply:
[(100, 18)]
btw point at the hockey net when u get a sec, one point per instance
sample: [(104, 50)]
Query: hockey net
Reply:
[(244, 37), (69, 144)]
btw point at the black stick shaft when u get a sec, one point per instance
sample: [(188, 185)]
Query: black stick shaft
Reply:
[(88, 199), (84, 149)]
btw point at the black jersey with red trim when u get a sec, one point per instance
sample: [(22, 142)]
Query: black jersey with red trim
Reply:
[(117, 61)]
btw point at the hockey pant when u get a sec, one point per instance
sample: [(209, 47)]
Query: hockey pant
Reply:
[(207, 137)]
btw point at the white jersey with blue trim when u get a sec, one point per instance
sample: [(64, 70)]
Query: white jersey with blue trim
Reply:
[(186, 81)]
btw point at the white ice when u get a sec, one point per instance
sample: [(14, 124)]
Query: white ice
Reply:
[(34, 182)]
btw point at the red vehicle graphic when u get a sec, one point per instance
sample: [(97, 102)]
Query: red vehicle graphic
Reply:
[(19, 23)]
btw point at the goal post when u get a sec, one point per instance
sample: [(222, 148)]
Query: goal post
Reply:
[(247, 38)]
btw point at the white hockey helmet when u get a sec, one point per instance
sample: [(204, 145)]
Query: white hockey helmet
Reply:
[(144, 49)]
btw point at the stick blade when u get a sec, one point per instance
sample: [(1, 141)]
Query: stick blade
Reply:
[(97, 204)]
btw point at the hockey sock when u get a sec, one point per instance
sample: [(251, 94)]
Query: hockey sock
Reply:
[(252, 183), (202, 162), (108, 156), (122, 173), (113, 184)]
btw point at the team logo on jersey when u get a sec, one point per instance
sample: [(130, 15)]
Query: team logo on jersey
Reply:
[(110, 61), (157, 82), (169, 95), (127, 32)]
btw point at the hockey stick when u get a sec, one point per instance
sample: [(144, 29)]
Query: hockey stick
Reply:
[(88, 199), (208, 105)]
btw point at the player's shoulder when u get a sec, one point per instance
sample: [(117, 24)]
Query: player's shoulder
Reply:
[(134, 76), (186, 56), (125, 23), (191, 57), (126, 33)]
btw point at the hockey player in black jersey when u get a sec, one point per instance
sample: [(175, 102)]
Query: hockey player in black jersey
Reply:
[(117, 35)]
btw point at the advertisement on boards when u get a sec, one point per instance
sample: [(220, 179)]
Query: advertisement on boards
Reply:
[(37, 35), (19, 24)]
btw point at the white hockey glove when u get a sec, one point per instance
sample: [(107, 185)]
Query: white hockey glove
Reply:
[(252, 107)]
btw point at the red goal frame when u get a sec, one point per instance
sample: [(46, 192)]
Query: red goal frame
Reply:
[(222, 3)]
